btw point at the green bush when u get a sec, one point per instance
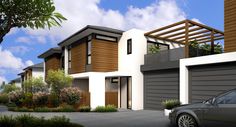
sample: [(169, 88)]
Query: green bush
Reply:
[(108, 108), (54, 100), (43, 109), (40, 99), (28, 100), (170, 104), (24, 109), (11, 105), (31, 121), (3, 98), (66, 108), (9, 88), (16, 97), (70, 95), (84, 109)]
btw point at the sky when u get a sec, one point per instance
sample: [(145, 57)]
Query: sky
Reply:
[(21, 47)]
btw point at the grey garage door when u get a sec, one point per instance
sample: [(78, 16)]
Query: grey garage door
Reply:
[(209, 80), (159, 86)]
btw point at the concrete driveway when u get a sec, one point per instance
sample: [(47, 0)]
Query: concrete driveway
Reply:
[(143, 118)]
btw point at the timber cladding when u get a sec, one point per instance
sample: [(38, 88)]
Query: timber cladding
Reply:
[(78, 57), (230, 25), (104, 56), (52, 63)]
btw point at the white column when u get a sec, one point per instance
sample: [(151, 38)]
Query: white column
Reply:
[(66, 60), (97, 90), (184, 84), (44, 71)]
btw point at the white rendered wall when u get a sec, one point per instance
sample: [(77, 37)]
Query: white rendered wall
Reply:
[(130, 64), (185, 63), (66, 60), (36, 73)]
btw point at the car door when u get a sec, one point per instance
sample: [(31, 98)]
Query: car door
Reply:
[(227, 109), (222, 112)]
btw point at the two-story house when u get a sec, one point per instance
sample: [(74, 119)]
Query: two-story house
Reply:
[(136, 69)]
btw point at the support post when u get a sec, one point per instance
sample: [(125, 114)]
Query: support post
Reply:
[(212, 42), (186, 39)]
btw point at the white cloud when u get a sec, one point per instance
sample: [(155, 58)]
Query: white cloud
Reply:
[(87, 12), (11, 62), (25, 40), (29, 63), (19, 49)]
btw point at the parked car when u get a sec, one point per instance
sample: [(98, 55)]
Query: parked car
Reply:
[(219, 111)]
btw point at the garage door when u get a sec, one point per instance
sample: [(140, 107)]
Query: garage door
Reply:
[(159, 86), (209, 80)]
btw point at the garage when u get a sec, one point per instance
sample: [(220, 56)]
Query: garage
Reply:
[(207, 81), (160, 85)]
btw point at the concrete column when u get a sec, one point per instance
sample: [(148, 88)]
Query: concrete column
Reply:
[(66, 60), (184, 83), (97, 90)]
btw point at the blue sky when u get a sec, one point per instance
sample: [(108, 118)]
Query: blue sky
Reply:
[(22, 46)]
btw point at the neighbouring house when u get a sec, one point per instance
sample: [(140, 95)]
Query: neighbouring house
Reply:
[(16, 81), (35, 71), (137, 70)]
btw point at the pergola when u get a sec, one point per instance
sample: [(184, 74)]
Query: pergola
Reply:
[(185, 31)]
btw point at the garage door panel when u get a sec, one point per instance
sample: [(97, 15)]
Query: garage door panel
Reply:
[(208, 81), (214, 78), (160, 86)]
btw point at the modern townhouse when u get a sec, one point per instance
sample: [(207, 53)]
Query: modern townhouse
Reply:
[(36, 71), (16, 81), (136, 69)]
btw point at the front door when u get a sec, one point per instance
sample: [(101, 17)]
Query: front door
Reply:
[(126, 92)]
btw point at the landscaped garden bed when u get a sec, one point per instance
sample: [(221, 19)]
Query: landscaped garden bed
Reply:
[(31, 121)]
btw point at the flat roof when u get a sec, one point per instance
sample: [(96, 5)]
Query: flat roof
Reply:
[(51, 51), (39, 65), (89, 29)]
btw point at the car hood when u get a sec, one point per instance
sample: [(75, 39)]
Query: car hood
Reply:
[(191, 106)]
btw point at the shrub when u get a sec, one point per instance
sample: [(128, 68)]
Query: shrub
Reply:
[(108, 108), (84, 109), (7, 121), (23, 109), (43, 109), (57, 80), (9, 88), (31, 121), (28, 100), (34, 85), (66, 108), (54, 100), (170, 104), (16, 97), (70, 95), (3, 98), (40, 99)]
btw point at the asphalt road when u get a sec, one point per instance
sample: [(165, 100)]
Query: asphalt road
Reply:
[(142, 118)]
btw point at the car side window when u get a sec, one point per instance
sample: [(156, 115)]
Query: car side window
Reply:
[(229, 98)]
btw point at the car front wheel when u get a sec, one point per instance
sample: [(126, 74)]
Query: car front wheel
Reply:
[(186, 120)]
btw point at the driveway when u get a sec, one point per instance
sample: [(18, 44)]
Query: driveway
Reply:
[(142, 118)]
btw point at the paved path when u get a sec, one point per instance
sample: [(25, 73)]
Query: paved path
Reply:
[(142, 118)]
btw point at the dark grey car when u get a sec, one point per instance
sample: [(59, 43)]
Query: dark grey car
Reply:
[(219, 111)]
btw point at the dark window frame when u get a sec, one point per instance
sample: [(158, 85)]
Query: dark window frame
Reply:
[(105, 39), (87, 51), (69, 57), (129, 46)]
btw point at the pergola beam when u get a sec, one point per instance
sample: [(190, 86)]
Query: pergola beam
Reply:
[(191, 30), (205, 41), (165, 39), (186, 39)]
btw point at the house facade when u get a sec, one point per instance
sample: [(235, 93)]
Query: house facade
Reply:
[(138, 70), (35, 71)]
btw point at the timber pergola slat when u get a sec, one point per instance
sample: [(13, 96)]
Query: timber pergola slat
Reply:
[(185, 31)]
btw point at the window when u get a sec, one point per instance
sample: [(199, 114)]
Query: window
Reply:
[(155, 47), (129, 46), (89, 46), (229, 98), (107, 38), (69, 57)]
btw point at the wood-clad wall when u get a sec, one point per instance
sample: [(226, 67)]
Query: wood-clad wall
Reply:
[(230, 25), (52, 63), (78, 58), (104, 56)]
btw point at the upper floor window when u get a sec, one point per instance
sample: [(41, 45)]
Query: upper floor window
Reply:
[(155, 47), (69, 57), (89, 45), (106, 38), (129, 46)]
